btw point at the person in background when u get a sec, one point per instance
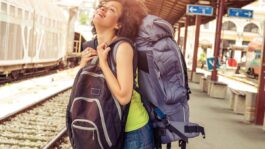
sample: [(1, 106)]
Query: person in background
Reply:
[(202, 58)]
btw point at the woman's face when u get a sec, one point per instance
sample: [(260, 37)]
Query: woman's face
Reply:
[(108, 14)]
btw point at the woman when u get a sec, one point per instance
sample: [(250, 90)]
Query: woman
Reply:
[(116, 18)]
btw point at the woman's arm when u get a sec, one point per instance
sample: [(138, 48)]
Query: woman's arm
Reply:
[(122, 86)]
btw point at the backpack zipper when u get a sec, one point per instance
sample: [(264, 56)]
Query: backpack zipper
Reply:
[(93, 74), (89, 129), (181, 64)]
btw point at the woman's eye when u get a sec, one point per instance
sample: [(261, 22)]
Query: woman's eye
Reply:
[(100, 6), (112, 10)]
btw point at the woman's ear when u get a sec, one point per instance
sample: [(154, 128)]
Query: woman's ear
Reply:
[(118, 26)]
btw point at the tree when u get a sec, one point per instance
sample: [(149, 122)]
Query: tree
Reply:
[(83, 18)]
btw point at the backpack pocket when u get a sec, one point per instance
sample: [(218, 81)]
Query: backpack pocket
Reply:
[(167, 71), (88, 113), (86, 134)]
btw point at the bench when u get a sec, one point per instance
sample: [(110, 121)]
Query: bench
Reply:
[(216, 89), (250, 106), (243, 102), (237, 101), (196, 77), (203, 84)]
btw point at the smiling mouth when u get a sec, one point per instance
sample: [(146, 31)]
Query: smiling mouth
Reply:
[(101, 15)]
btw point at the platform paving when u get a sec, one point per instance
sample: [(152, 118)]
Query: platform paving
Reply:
[(224, 129)]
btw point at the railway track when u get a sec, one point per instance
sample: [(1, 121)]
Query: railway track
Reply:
[(24, 76), (61, 141), (37, 126)]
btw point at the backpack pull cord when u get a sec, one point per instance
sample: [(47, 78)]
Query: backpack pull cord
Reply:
[(196, 129), (182, 144), (95, 60), (158, 144), (176, 131), (162, 117), (169, 146)]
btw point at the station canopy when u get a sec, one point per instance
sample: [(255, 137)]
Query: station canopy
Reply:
[(174, 10)]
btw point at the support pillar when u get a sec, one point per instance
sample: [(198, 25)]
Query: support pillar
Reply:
[(179, 29), (260, 100), (217, 37), (196, 44), (185, 35)]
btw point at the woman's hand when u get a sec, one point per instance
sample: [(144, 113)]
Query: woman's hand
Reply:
[(103, 51), (87, 55)]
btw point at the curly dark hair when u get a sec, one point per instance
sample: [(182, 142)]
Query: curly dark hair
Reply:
[(132, 15)]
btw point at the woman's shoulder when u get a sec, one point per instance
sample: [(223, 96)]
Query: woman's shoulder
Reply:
[(123, 52), (125, 48), (125, 44), (124, 40)]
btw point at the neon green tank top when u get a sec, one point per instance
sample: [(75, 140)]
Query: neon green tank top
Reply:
[(137, 116)]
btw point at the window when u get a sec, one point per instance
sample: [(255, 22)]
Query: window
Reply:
[(25, 34), (245, 43), (3, 40), (11, 40), (228, 43), (32, 47), (19, 46), (30, 15), (257, 54), (12, 11), (4, 8), (39, 19), (19, 13), (53, 23), (26, 15), (228, 25), (46, 22), (251, 28)]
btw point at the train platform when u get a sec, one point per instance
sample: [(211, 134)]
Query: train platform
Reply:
[(17, 96), (232, 80), (224, 129)]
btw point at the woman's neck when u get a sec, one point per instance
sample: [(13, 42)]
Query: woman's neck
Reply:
[(105, 37)]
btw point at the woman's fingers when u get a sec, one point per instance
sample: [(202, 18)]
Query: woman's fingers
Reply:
[(88, 52), (102, 46), (84, 60), (107, 50), (103, 51), (87, 55)]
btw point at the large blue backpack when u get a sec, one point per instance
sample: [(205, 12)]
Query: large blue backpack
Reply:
[(163, 83)]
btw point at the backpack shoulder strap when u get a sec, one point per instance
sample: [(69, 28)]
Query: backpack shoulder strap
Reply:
[(114, 45), (91, 43)]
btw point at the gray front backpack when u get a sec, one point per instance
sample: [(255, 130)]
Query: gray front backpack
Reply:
[(163, 83), (94, 118)]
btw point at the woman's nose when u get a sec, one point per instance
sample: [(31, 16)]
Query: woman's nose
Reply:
[(103, 8)]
